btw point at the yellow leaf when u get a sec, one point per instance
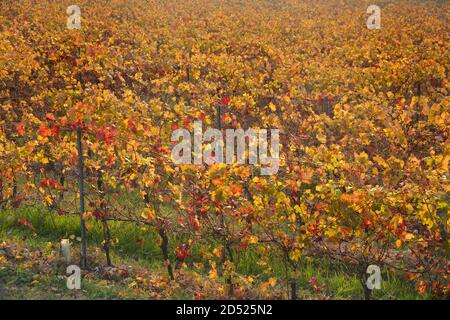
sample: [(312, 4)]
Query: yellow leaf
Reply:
[(252, 239), (292, 218), (212, 274), (218, 252), (409, 236), (295, 255), (321, 138), (272, 281), (444, 163), (148, 214), (272, 107)]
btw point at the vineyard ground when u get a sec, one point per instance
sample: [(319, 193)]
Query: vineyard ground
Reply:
[(34, 270)]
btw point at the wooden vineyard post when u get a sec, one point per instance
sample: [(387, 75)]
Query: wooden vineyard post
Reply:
[(83, 262), (188, 72), (229, 279), (74, 22), (326, 106), (219, 117), (219, 126)]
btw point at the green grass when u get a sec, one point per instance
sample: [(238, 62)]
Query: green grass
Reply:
[(17, 285), (127, 251), (62, 227)]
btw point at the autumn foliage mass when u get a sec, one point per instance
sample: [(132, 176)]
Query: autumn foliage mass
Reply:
[(363, 118)]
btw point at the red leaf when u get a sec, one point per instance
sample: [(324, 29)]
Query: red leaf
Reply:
[(47, 183), (56, 130), (20, 129), (186, 122), (226, 100)]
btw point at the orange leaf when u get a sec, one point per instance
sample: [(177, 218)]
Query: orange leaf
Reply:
[(45, 132), (235, 188)]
